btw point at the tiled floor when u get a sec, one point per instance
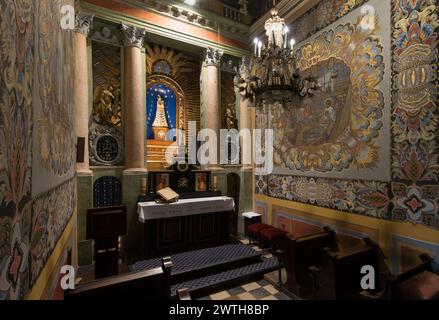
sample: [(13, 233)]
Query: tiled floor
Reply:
[(261, 290)]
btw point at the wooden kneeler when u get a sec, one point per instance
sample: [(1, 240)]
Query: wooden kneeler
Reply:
[(147, 285)]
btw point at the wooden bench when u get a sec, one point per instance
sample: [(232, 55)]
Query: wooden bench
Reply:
[(340, 276), (418, 283), (147, 285), (301, 253)]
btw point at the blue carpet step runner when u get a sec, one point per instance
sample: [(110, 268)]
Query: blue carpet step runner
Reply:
[(227, 279), (205, 271), (198, 263)]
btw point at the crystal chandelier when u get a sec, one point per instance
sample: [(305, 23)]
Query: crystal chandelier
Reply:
[(271, 76)]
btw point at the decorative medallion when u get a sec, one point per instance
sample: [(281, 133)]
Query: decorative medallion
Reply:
[(106, 146)]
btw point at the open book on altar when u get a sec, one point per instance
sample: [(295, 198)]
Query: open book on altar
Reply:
[(167, 195)]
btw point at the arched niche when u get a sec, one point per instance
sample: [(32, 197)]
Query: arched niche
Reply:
[(174, 100)]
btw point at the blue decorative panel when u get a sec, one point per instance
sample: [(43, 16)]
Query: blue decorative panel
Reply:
[(170, 99)]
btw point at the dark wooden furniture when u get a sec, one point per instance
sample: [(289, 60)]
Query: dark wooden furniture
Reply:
[(340, 276), (233, 191), (254, 232), (147, 285), (105, 226), (419, 283), (173, 235), (300, 254), (273, 239)]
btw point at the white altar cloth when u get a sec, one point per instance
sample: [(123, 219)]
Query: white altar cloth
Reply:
[(182, 208)]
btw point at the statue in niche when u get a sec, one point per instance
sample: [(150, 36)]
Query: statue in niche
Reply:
[(160, 125), (106, 105), (243, 6)]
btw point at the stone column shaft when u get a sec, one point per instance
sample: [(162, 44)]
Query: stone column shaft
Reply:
[(212, 98), (246, 141), (134, 100)]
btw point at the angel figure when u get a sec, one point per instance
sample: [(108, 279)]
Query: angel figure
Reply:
[(106, 105)]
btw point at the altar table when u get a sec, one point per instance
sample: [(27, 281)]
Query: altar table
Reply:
[(185, 225)]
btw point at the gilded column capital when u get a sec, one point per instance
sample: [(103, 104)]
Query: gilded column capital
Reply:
[(212, 57), (83, 23), (133, 36)]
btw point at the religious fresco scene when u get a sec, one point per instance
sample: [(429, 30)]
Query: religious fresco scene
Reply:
[(212, 150)]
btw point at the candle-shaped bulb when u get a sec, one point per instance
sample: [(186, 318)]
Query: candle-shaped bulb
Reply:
[(256, 41), (292, 43), (144, 186), (259, 48), (286, 36)]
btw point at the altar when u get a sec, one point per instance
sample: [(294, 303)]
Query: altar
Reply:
[(185, 225)]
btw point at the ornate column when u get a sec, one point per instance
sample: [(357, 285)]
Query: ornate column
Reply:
[(134, 100), (245, 118), (211, 97), (83, 22)]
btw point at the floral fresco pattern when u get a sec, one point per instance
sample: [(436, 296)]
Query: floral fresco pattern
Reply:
[(20, 21), (52, 211), (16, 78), (415, 120), (361, 197)]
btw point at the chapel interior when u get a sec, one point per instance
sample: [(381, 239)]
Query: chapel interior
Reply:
[(219, 150)]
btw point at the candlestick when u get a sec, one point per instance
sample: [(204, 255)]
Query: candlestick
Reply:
[(293, 42), (260, 49), (256, 41), (286, 36), (215, 183), (143, 186)]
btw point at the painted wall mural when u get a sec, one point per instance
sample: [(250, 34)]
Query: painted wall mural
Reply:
[(339, 127), (53, 91), (322, 15), (412, 192), (35, 132)]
